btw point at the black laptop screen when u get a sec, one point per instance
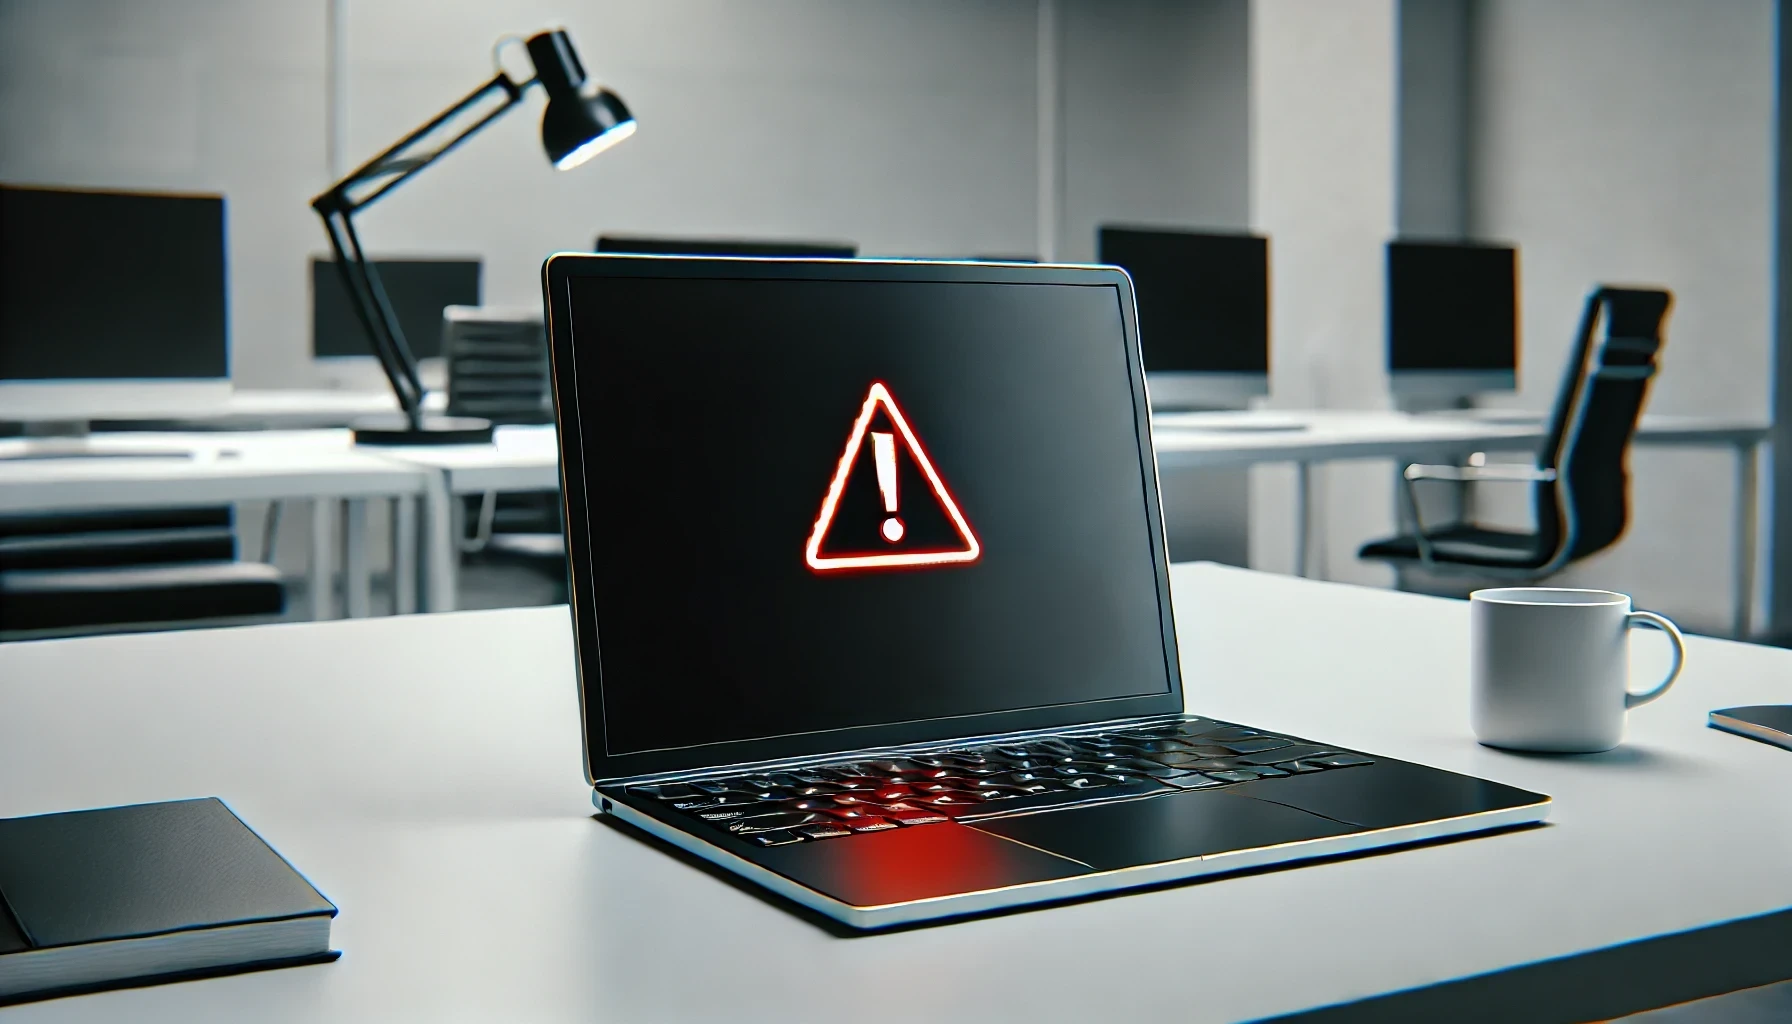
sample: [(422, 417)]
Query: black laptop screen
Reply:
[(815, 505)]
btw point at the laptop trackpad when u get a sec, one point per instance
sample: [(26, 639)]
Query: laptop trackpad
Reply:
[(1164, 828)]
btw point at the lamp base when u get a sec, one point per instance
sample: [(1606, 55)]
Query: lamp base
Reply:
[(397, 431)]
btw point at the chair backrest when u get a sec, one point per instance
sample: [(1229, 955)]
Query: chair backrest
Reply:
[(497, 364), (1604, 388)]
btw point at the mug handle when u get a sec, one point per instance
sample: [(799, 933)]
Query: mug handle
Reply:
[(1660, 622)]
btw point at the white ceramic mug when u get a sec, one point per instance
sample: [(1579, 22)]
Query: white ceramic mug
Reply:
[(1550, 668)]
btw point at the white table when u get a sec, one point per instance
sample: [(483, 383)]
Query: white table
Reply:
[(526, 459), (1304, 437), (520, 458), (226, 467), (424, 772)]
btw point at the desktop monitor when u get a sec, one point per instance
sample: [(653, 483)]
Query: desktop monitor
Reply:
[(1203, 312), (113, 305), (1452, 318), (418, 289), (725, 247)]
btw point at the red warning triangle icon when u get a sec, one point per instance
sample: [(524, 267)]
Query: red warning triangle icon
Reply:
[(887, 448)]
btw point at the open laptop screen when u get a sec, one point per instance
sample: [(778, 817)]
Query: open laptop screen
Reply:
[(814, 505)]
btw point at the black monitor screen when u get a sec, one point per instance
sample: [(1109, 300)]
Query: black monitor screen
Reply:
[(112, 285), (1452, 307), (724, 247), (820, 504), (1203, 298), (417, 289)]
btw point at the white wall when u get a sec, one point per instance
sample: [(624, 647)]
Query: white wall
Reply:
[(1155, 131), (1156, 116), (1322, 188), (1631, 141), (205, 95), (908, 128)]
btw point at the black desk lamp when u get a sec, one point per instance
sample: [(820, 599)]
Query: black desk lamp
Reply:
[(579, 123)]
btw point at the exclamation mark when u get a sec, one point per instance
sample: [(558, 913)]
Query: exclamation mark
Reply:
[(883, 449)]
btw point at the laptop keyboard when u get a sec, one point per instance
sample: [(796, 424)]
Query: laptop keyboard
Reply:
[(872, 794)]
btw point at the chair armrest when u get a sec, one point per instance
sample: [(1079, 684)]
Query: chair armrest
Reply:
[(1477, 472), (1498, 473)]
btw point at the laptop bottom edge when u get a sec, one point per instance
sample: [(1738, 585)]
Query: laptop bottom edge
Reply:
[(1075, 879)]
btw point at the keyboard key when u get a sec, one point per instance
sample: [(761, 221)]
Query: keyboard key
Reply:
[(773, 821), (722, 800), (868, 823), (915, 817), (1341, 760), (666, 791), (1193, 781), (1203, 764), (723, 813), (781, 838), (1255, 744), (887, 768), (1120, 791), (812, 803), (1234, 776), (1300, 767), (1265, 771), (825, 830), (1294, 752), (1193, 755), (939, 800)]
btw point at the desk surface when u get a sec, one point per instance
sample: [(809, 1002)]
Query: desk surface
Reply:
[(1225, 438), (224, 467), (424, 772), (526, 458)]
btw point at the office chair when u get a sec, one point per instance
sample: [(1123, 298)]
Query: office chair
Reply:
[(97, 571), (1580, 484), (498, 371)]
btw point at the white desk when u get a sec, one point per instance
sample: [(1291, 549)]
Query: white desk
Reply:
[(424, 772), (525, 459), (518, 459), (1195, 440), (227, 467)]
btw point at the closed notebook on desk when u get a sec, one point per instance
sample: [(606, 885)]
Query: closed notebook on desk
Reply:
[(147, 893)]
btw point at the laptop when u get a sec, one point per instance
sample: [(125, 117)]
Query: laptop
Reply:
[(872, 601)]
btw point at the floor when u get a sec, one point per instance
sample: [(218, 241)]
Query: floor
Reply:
[(487, 583), (1769, 1004)]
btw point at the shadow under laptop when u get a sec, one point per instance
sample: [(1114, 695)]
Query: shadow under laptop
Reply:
[(839, 930)]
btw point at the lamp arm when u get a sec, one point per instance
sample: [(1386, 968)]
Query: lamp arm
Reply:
[(410, 154), (366, 184), (374, 310)]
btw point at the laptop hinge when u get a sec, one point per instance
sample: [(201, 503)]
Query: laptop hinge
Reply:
[(790, 763)]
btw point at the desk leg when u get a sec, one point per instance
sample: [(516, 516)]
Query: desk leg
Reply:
[(1744, 541), (357, 587), (1303, 515), (404, 555), (323, 569), (441, 553)]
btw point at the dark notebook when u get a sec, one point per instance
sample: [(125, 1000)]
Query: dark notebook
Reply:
[(147, 893)]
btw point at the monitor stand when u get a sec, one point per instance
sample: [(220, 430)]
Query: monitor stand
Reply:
[(49, 440), (1463, 407)]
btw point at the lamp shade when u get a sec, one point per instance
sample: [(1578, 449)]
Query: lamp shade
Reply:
[(578, 123)]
